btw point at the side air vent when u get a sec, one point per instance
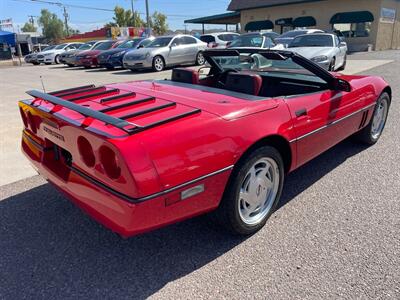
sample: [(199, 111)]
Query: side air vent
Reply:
[(363, 119)]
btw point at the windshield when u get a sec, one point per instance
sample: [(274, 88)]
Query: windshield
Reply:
[(294, 33), (257, 41), (48, 48), (104, 45), (159, 42), (256, 62), (129, 44), (312, 40), (85, 47), (60, 46)]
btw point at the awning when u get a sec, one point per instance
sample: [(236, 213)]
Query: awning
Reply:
[(226, 18), (259, 25), (7, 37), (304, 21), (284, 22), (352, 17)]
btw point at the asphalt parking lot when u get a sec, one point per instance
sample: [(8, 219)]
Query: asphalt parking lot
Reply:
[(336, 234)]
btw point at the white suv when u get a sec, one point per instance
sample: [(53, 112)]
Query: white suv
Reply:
[(52, 56), (219, 39)]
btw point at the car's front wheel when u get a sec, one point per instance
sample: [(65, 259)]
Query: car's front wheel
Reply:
[(332, 65), (57, 59), (253, 192), (344, 64), (373, 131), (158, 63)]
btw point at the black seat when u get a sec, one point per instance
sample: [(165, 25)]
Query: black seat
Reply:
[(246, 83), (185, 75)]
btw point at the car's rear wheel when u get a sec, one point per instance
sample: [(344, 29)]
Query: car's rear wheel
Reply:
[(36, 63), (373, 131), (158, 63), (200, 60), (253, 192), (57, 59)]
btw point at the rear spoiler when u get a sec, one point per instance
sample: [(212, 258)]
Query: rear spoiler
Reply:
[(101, 115)]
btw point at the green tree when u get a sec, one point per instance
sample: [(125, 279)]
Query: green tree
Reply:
[(158, 23), (72, 31), (52, 26), (125, 18), (29, 27)]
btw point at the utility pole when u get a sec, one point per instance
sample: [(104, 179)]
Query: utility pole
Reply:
[(133, 16), (66, 20), (147, 17)]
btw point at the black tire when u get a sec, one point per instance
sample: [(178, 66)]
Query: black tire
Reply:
[(200, 60), (47, 64), (228, 213), (366, 135), (332, 65), (70, 65), (57, 59), (158, 63), (344, 64), (36, 63), (110, 68), (87, 67)]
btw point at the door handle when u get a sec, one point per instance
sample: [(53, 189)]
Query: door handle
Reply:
[(301, 112)]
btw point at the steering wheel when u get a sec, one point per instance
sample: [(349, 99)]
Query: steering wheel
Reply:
[(223, 75)]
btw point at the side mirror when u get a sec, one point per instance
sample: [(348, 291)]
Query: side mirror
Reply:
[(342, 85), (342, 44), (173, 45), (140, 46)]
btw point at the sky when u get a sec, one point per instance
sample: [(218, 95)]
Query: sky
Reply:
[(88, 19)]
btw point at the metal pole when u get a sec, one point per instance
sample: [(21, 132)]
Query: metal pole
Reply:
[(66, 20), (202, 25), (133, 17), (147, 17)]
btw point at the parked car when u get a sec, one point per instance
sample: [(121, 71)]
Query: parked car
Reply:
[(53, 55), (88, 58), (218, 39), (286, 38), (253, 40), (144, 154), (68, 57), (166, 51), (324, 49), (32, 57), (113, 58)]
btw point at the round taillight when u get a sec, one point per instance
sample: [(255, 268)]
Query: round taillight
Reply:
[(23, 116), (110, 162), (86, 152), (31, 122)]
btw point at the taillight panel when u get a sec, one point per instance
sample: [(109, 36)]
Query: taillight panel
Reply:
[(110, 163), (86, 152)]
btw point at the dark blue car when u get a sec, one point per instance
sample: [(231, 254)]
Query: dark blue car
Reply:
[(112, 58)]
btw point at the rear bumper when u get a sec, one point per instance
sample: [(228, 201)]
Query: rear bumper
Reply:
[(113, 210)]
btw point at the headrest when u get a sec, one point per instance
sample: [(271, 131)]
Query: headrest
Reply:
[(185, 75), (246, 83)]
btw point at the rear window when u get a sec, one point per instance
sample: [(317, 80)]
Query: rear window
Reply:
[(227, 37), (207, 39)]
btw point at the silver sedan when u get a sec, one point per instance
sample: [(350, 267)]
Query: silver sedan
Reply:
[(166, 51), (325, 49)]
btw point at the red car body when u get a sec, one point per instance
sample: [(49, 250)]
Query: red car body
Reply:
[(88, 58), (132, 178)]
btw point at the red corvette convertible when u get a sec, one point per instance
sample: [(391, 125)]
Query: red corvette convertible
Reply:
[(140, 155)]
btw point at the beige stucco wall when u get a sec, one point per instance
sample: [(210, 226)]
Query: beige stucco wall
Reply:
[(324, 10)]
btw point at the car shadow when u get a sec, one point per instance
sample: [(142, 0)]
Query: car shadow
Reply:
[(59, 67), (50, 249)]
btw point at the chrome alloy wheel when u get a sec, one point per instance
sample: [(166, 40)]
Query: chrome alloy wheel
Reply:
[(379, 118), (258, 191), (200, 59), (158, 63)]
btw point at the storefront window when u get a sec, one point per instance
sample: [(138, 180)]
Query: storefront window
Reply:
[(350, 30)]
